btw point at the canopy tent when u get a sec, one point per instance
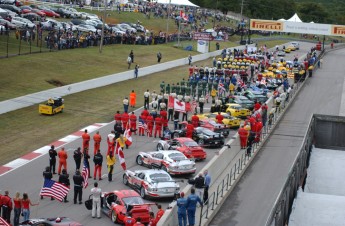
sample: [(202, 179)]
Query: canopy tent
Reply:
[(295, 18), (177, 2), (282, 19)]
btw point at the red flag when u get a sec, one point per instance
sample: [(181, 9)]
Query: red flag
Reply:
[(183, 15), (128, 135), (121, 156), (171, 102)]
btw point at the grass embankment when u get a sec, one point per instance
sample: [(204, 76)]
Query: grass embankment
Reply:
[(24, 130)]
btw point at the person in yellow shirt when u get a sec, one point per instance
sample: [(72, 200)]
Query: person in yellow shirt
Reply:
[(213, 95), (231, 88), (122, 141), (111, 160)]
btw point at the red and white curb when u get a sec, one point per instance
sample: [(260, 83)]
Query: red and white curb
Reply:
[(44, 150)]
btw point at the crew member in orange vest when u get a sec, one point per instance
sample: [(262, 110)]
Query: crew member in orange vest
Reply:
[(62, 154), (132, 99), (97, 142), (86, 140)]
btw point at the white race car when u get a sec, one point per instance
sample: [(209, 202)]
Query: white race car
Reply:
[(151, 183), (173, 162)]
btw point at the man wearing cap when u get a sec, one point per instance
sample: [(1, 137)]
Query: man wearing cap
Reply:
[(182, 210)]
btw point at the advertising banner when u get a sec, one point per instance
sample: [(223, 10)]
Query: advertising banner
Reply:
[(204, 36)]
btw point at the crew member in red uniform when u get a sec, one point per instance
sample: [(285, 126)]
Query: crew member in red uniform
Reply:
[(124, 119), (6, 203), (243, 133), (117, 117), (152, 220), (145, 112), (191, 70), (189, 130), (219, 118), (138, 223), (133, 120), (195, 120), (150, 123), (86, 140), (257, 106), (158, 126), (258, 130), (97, 142), (160, 210), (129, 220), (164, 114)]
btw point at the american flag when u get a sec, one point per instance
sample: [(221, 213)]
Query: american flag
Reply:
[(54, 189), (85, 174), (142, 124), (221, 88)]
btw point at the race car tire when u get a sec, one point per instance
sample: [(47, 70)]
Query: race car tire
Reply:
[(139, 160), (114, 217), (142, 193), (176, 135), (125, 179), (201, 142), (160, 147)]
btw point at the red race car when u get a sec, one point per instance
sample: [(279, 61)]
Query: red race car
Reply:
[(116, 204), (215, 127), (185, 145)]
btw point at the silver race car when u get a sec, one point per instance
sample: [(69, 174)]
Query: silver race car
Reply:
[(173, 162), (151, 183)]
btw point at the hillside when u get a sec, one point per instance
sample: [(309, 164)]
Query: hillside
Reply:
[(318, 11)]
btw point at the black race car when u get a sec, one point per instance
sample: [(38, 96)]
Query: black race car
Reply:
[(203, 136)]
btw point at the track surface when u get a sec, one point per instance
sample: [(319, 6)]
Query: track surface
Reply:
[(252, 199), (28, 178)]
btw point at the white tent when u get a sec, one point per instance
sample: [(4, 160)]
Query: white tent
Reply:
[(295, 18), (177, 2), (282, 19)]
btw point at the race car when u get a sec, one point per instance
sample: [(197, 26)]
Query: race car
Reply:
[(237, 110), (203, 137), (173, 162), (54, 221), (228, 120), (185, 145), (215, 127), (151, 183), (117, 204)]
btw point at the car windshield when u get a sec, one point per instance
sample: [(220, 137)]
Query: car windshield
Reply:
[(177, 156), (237, 107), (133, 200), (191, 144), (212, 123), (159, 177), (226, 116), (205, 131)]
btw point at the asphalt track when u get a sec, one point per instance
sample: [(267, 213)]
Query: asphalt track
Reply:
[(28, 178), (251, 201)]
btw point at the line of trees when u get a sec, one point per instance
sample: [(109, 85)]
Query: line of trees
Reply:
[(318, 11)]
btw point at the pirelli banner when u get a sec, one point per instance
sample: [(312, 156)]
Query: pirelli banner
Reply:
[(297, 27)]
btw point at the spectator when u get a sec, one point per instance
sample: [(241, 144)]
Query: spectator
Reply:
[(129, 61), (207, 185), (17, 201), (200, 185), (159, 57), (131, 55), (136, 71), (26, 203)]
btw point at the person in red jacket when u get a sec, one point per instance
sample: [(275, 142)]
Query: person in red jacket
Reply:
[(160, 211), (189, 130), (158, 126), (149, 122), (117, 117), (124, 119), (257, 106), (129, 220), (195, 120), (133, 122), (145, 112), (152, 220), (219, 118), (243, 133), (6, 203), (138, 223), (86, 140), (163, 113), (258, 130), (97, 142)]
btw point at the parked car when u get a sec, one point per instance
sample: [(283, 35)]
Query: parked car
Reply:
[(9, 24), (237, 111), (151, 183), (86, 28), (255, 96), (173, 162), (13, 8), (117, 30), (51, 24), (38, 12), (32, 17), (117, 204), (64, 13), (228, 120), (54, 221), (185, 145), (88, 16), (9, 2), (50, 13), (6, 13), (281, 53), (243, 101), (22, 22), (138, 27), (215, 127), (76, 13), (125, 27), (77, 21), (26, 9)]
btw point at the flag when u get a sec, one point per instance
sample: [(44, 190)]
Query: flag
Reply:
[(183, 15), (221, 88), (179, 105), (85, 174), (54, 189), (194, 105), (142, 124), (121, 156), (171, 102), (128, 135), (3, 222)]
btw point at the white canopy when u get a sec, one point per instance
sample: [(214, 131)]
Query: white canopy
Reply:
[(282, 19), (177, 2), (295, 18)]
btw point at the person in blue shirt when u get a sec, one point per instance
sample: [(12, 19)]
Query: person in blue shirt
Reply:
[(207, 185), (182, 210), (192, 201)]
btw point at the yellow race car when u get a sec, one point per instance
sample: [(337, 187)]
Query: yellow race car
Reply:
[(228, 120), (287, 50), (293, 48), (237, 110)]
